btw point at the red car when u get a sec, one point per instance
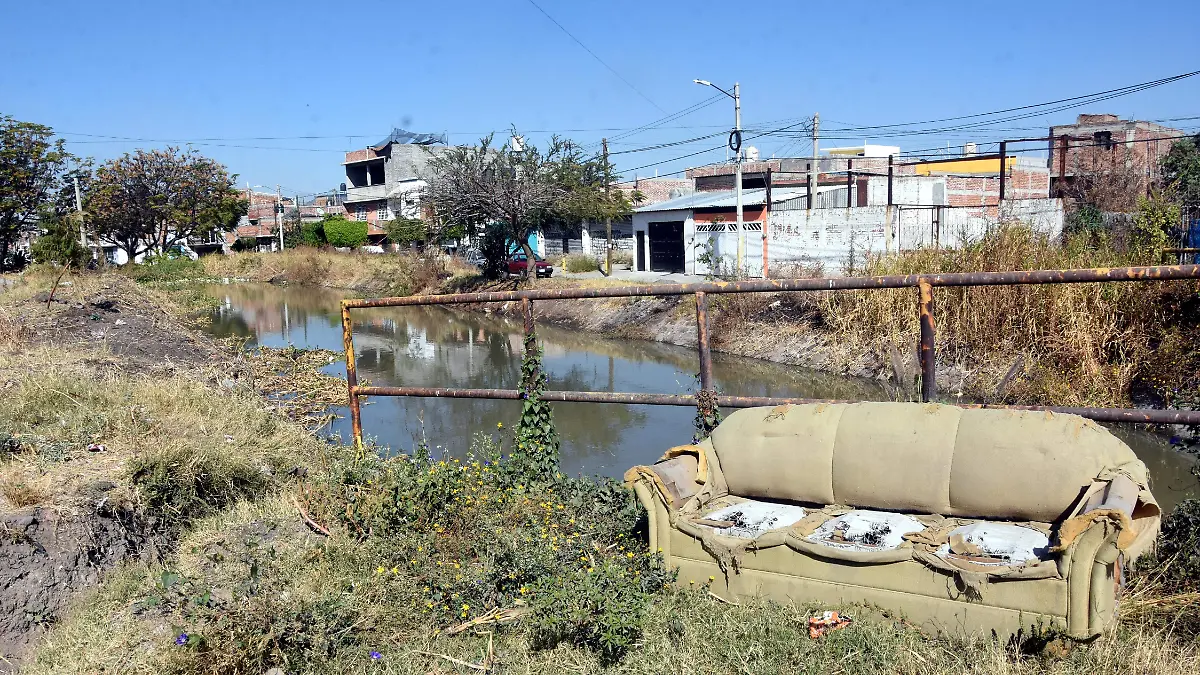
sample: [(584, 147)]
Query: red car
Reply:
[(516, 265)]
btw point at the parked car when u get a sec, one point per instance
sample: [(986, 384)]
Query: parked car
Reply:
[(516, 265)]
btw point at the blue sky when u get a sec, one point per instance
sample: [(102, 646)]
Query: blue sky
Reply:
[(259, 76)]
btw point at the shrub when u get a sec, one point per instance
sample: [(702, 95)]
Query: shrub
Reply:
[(494, 249), (60, 244), (406, 231), (307, 234), (1179, 547), (163, 268), (342, 233), (622, 257), (578, 262), (243, 244), (181, 484)]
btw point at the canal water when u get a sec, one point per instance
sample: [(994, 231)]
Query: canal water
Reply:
[(433, 346)]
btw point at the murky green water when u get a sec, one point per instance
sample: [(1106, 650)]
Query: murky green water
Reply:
[(431, 346)]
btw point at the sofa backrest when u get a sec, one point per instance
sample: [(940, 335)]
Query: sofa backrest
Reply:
[(923, 458)]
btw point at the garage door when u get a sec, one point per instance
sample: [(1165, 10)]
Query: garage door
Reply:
[(666, 247)]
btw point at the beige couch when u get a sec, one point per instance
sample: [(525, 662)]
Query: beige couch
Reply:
[(963, 520)]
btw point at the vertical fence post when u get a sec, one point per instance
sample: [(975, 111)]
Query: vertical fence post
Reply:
[(351, 377), (706, 383), (889, 233), (928, 333), (1003, 156), (849, 183), (527, 315)]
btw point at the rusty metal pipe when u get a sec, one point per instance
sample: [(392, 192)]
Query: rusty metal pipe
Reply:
[(928, 335), (1126, 415), (585, 396), (527, 315), (351, 375), (1149, 273), (706, 378)]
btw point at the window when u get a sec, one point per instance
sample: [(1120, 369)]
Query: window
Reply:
[(381, 213), (1103, 139), (360, 213)]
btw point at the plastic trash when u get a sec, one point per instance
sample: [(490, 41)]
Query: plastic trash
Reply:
[(826, 622)]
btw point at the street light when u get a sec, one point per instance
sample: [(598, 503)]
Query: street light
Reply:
[(735, 144)]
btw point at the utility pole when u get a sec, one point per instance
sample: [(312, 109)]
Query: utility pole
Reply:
[(279, 213), (814, 168), (79, 212), (607, 216), (737, 174)]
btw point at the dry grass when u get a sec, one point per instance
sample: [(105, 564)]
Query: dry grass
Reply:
[(391, 274), (20, 489), (1079, 344)]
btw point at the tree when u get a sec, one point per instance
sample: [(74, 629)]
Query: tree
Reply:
[(407, 231), (60, 244), (1181, 171), (31, 167), (1156, 218), (519, 189), (151, 200), (342, 233)]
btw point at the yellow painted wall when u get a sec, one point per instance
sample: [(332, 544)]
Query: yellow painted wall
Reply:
[(964, 165)]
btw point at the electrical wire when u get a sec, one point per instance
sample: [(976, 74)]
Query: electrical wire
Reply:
[(595, 56)]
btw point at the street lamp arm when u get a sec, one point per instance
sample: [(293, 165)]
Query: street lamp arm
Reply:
[(710, 84)]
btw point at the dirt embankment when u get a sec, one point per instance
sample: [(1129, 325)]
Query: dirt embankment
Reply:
[(774, 330), (119, 424)]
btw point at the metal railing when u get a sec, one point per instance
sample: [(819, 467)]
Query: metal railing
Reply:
[(924, 283)]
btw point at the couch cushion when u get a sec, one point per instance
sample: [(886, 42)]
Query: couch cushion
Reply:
[(861, 530), (924, 458), (895, 457), (1028, 465), (779, 453)]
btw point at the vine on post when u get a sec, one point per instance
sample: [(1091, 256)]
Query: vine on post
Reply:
[(537, 440), (708, 415)]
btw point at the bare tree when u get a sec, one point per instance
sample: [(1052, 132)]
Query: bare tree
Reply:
[(519, 189)]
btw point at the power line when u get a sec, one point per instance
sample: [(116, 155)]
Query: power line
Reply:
[(1119, 91), (595, 56)]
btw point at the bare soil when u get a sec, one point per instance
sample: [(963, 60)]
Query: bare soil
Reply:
[(47, 555), (140, 334)]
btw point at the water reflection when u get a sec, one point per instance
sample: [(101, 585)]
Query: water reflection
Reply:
[(431, 346)]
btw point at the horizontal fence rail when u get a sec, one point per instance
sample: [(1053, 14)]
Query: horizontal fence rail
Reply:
[(924, 283)]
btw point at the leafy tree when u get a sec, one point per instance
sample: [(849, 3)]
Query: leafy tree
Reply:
[(60, 244), (31, 167), (407, 231), (520, 189), (306, 234), (1156, 218), (1181, 170), (343, 233), (64, 199), (151, 200)]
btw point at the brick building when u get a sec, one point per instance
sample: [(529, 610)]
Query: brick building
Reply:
[(383, 181), (1099, 144)]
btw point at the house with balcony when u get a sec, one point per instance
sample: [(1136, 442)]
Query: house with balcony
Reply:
[(384, 181)]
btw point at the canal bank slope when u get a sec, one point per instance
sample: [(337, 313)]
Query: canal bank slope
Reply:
[(281, 551), (1103, 345)]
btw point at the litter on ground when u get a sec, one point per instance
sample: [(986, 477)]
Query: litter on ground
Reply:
[(828, 621)]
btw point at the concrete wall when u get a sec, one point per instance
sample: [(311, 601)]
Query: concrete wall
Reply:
[(832, 237), (407, 162)]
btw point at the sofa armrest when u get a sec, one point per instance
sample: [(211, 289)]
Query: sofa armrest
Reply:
[(1119, 494)]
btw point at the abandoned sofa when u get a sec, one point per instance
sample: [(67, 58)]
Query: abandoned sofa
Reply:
[(963, 520)]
